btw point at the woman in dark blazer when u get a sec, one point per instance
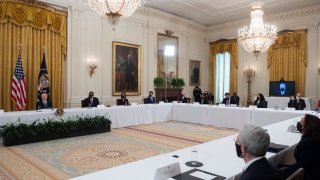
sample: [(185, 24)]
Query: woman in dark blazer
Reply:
[(123, 101), (292, 102), (260, 102), (307, 152)]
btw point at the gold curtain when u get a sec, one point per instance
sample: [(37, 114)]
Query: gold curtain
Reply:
[(37, 28), (287, 58), (223, 46)]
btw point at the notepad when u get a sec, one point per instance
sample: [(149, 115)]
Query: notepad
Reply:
[(202, 175)]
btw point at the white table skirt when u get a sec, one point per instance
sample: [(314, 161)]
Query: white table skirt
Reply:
[(230, 117), (282, 102), (190, 113), (263, 117), (218, 156)]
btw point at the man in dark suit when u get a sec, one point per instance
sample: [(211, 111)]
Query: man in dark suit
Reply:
[(300, 103), (251, 145), (44, 103), (235, 99), (151, 99), (197, 93), (91, 101), (226, 100)]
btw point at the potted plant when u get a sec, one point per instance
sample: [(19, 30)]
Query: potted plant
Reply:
[(21, 133), (158, 82), (180, 82), (174, 82)]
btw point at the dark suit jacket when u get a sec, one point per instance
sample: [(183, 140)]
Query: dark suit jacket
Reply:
[(261, 104), (184, 100), (41, 105), (261, 170), (301, 104), (87, 102), (307, 155), (122, 102), (225, 101), (235, 100), (292, 103), (150, 100)]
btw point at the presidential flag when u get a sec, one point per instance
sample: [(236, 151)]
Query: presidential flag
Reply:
[(18, 89), (43, 79)]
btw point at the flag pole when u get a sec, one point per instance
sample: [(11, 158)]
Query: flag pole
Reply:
[(19, 48)]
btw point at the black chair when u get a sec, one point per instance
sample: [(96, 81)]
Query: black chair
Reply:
[(82, 103), (145, 100)]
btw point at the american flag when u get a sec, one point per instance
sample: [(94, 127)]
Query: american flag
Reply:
[(18, 90)]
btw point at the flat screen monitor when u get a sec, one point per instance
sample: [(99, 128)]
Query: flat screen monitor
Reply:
[(282, 88)]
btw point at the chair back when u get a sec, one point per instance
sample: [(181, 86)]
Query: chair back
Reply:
[(82, 103), (145, 100), (118, 102)]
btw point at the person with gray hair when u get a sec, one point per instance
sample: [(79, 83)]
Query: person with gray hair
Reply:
[(251, 145)]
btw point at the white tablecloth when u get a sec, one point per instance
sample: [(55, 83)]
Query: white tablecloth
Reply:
[(230, 117), (29, 117), (218, 157), (263, 117), (282, 102), (190, 113)]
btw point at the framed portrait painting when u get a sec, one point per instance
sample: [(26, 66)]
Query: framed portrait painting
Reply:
[(126, 62), (194, 73)]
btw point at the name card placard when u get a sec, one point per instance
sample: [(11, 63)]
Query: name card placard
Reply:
[(167, 171), (100, 106)]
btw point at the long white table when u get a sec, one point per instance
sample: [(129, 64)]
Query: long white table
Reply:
[(123, 116), (282, 102), (218, 157)]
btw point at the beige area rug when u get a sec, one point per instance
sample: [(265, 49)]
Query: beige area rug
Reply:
[(71, 157)]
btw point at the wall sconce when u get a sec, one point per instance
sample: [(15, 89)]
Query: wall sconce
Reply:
[(92, 66), (249, 72)]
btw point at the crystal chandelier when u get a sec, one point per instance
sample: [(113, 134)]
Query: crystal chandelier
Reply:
[(259, 37), (114, 9)]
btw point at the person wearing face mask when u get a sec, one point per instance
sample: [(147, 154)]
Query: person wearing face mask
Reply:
[(123, 101), (251, 145), (260, 102), (227, 99), (151, 99), (90, 101), (292, 102), (307, 152), (301, 104)]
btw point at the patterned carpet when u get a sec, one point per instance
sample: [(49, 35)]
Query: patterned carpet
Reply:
[(71, 157)]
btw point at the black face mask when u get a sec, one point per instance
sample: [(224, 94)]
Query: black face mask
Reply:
[(258, 98), (238, 149), (122, 96), (299, 127), (150, 95)]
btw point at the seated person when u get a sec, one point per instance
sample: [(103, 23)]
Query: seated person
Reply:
[(307, 152), (184, 99), (91, 101), (226, 100), (211, 97), (292, 102), (251, 145), (235, 99), (44, 103), (260, 102), (150, 99), (205, 98), (123, 101), (301, 104)]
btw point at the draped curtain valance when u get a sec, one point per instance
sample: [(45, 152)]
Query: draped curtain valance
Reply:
[(223, 46), (287, 58)]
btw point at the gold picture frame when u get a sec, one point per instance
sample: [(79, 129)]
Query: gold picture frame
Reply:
[(126, 74), (194, 73)]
